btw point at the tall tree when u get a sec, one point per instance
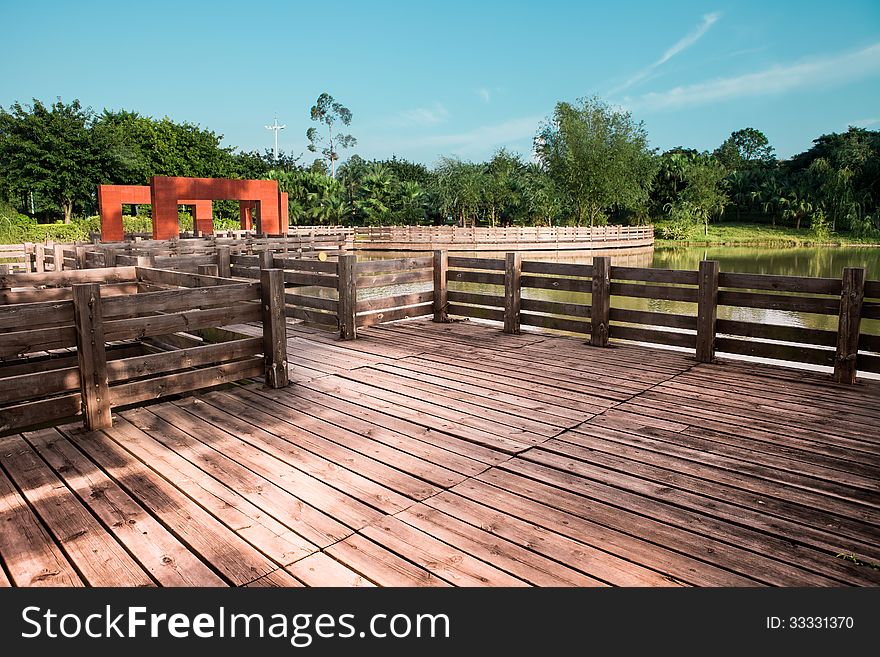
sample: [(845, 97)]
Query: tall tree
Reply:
[(745, 148), (598, 155), (329, 112)]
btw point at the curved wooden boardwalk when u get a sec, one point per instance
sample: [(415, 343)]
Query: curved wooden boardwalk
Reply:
[(452, 454)]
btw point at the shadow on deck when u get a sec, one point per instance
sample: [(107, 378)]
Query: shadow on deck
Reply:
[(452, 454)]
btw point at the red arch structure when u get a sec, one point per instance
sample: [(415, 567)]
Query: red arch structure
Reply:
[(165, 193)]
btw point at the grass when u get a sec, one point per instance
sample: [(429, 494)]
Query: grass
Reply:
[(764, 235)]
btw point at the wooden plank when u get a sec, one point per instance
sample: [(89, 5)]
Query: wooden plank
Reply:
[(296, 278), (311, 302), (380, 317), (797, 354), (600, 307), (653, 318), (229, 554), (619, 332), (139, 327), (68, 278), (397, 278), (512, 290), (557, 268), (348, 293), (140, 366), (274, 328), (177, 278), (850, 316), (556, 323), (555, 308), (36, 314), (869, 363), (168, 301), (458, 262), (800, 284), (321, 570), (552, 283), (707, 310), (872, 289), (61, 293), (777, 332), (383, 303), (455, 296), (223, 261), (487, 278), (38, 384), (493, 314), (654, 275), (164, 557), (667, 292), (38, 412), (29, 551), (35, 340), (380, 565), (779, 302), (312, 317), (139, 391), (91, 355), (399, 264), (440, 264), (300, 265), (95, 553)]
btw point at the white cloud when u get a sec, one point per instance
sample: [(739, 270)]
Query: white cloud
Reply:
[(682, 44), (864, 122), (422, 116), (778, 79), (477, 141), (485, 94)]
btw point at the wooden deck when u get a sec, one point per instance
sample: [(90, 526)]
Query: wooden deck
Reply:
[(452, 454)]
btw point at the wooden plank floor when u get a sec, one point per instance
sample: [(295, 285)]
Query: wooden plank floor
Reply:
[(450, 454)]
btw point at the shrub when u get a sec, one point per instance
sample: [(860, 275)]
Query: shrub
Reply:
[(819, 227)]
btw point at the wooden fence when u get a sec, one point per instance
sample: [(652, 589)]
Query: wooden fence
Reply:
[(100, 338), (601, 311)]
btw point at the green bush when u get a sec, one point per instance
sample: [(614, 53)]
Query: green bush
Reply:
[(820, 227)]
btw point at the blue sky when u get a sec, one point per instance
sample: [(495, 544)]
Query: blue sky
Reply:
[(426, 79)]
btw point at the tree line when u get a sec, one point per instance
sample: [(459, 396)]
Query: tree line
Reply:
[(592, 164)]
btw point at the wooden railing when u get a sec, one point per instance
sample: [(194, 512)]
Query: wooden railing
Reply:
[(84, 342), (600, 309)]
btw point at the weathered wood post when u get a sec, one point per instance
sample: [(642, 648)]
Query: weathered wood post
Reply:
[(707, 310), (109, 256), (58, 256), (207, 270), (267, 259), (346, 269), (79, 257), (29, 257), (600, 310), (223, 261), (274, 327), (512, 289), (441, 295), (39, 258), (91, 356), (852, 295), (145, 261)]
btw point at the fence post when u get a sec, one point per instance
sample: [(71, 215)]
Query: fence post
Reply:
[(267, 259), (39, 258), (851, 296), (223, 261), (707, 310), (28, 257), (347, 308), (80, 256), (274, 327), (145, 261), (91, 356), (600, 310), (58, 256), (441, 296), (512, 272), (109, 256)]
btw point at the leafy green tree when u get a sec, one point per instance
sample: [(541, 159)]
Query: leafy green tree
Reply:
[(49, 150), (744, 148), (703, 194), (542, 199), (459, 189), (598, 155), (503, 195), (329, 112)]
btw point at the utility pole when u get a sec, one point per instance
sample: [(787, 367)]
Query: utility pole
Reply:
[(275, 128)]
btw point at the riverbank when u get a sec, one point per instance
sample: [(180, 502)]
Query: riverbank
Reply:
[(764, 235)]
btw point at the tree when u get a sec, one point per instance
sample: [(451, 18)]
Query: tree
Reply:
[(49, 150), (328, 111), (459, 189), (744, 148), (598, 155), (703, 193)]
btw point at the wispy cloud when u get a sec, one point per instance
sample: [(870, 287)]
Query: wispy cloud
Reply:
[(829, 69), (485, 94), (747, 51), (478, 141), (682, 44), (422, 116), (864, 122)]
